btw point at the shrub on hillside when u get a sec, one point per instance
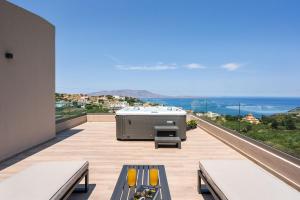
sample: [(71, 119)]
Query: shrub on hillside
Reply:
[(274, 124), (247, 128), (231, 118), (290, 124)]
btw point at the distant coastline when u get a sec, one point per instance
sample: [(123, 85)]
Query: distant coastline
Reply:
[(207, 97), (225, 105), (258, 106), (149, 94)]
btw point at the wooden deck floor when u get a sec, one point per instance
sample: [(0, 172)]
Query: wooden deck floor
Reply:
[(96, 142)]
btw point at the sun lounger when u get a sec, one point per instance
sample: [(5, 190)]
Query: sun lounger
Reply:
[(242, 180), (46, 180)]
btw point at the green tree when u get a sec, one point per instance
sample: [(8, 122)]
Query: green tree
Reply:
[(266, 119), (75, 104), (290, 124), (132, 100), (247, 128), (274, 124), (110, 97), (101, 101), (231, 118)]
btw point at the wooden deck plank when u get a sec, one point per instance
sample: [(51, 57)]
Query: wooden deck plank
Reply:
[(96, 142)]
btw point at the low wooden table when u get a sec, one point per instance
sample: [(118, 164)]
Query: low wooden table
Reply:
[(122, 191)]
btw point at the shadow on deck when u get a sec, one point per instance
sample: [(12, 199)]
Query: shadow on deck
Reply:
[(33, 150)]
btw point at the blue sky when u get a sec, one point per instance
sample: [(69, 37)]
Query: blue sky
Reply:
[(202, 48)]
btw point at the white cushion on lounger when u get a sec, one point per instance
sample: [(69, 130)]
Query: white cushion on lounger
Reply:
[(47, 180), (244, 180)]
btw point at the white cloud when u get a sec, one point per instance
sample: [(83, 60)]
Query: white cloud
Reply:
[(112, 58), (158, 67), (231, 66), (194, 66)]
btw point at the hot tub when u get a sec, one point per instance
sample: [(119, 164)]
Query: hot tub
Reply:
[(143, 123)]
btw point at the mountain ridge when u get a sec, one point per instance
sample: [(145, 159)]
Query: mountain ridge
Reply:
[(129, 93)]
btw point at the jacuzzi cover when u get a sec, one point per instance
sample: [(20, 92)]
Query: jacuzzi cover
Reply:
[(156, 110)]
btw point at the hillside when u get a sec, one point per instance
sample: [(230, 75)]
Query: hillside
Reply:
[(129, 93)]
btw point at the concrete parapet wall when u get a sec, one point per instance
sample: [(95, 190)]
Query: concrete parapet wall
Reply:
[(61, 126), (101, 118)]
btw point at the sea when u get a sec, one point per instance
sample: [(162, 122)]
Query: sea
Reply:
[(258, 106)]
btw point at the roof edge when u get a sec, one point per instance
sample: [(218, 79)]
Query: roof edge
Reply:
[(29, 12)]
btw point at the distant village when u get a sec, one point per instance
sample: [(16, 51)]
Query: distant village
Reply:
[(109, 103), (248, 118)]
